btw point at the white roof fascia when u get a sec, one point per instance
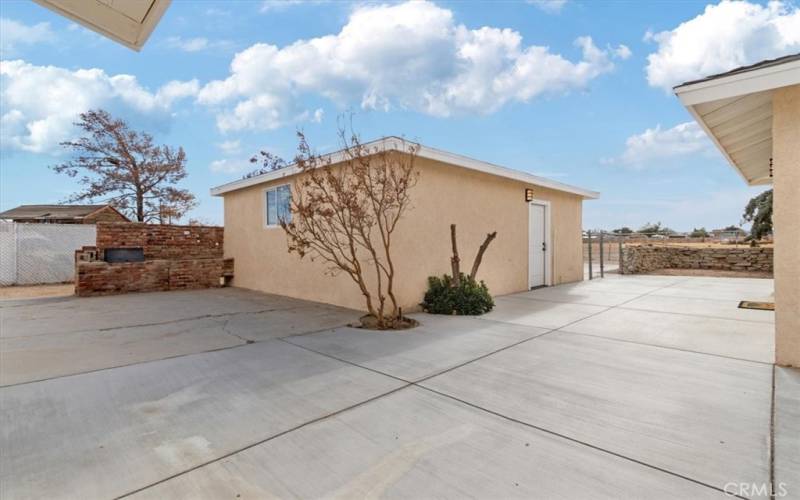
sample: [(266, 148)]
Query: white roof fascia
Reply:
[(747, 82), (390, 143)]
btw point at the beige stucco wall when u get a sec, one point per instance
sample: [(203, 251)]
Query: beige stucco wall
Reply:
[(478, 203), (786, 220)]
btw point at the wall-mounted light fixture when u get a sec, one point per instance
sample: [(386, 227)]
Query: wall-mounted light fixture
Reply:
[(528, 194)]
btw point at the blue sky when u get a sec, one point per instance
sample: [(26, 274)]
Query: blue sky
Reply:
[(575, 91)]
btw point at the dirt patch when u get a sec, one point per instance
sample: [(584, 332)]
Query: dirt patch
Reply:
[(714, 273), (368, 322), (36, 291)]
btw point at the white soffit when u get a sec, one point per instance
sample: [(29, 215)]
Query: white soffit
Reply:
[(735, 110), (128, 22), (396, 143)]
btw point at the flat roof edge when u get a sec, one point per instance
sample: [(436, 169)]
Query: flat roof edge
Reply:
[(423, 152)]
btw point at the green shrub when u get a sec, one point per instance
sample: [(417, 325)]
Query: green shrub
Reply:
[(469, 298)]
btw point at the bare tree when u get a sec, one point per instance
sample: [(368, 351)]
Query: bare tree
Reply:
[(347, 214), (125, 168)]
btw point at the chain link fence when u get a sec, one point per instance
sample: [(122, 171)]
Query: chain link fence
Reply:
[(32, 254)]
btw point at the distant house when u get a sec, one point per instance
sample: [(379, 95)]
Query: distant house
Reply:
[(63, 214), (729, 233)]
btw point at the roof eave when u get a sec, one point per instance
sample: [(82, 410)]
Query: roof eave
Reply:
[(423, 152), (103, 19), (732, 86)]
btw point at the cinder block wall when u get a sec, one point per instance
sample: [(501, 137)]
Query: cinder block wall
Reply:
[(644, 258), (176, 258)]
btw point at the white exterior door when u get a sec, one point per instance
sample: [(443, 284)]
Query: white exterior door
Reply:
[(537, 241)]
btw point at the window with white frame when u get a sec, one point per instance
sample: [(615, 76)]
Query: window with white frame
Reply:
[(278, 201)]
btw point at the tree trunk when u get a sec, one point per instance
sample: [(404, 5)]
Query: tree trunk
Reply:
[(139, 206), (478, 258), (455, 262)]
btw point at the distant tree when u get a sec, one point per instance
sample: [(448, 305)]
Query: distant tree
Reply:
[(655, 228), (125, 168), (759, 212), (699, 233), (347, 214), (622, 230), (650, 228), (731, 228)]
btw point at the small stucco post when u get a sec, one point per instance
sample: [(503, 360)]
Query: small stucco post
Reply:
[(786, 222)]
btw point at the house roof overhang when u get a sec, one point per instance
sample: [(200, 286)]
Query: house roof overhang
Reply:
[(129, 22), (735, 110), (399, 144)]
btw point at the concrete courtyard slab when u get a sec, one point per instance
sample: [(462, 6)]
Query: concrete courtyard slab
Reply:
[(640, 280), (725, 293), (415, 444), (107, 433), (578, 295), (439, 343), (747, 340), (539, 313), (297, 320), (725, 309), (787, 430), (703, 417), (26, 359), (171, 324), (137, 309), (633, 287)]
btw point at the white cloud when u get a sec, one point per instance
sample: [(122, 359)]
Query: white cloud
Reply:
[(275, 5), (725, 36), (655, 146), (197, 44), (549, 6), (16, 34), (410, 55), (40, 103), (623, 52), (231, 166), (230, 147)]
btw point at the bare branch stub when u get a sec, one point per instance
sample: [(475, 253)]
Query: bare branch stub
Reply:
[(479, 257), (455, 261)]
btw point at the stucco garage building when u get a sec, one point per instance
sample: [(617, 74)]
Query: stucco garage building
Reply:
[(538, 243), (753, 116)]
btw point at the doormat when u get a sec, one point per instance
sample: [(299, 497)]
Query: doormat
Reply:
[(761, 306)]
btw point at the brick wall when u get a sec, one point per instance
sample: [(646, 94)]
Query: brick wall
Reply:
[(645, 258), (162, 241), (176, 258)]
